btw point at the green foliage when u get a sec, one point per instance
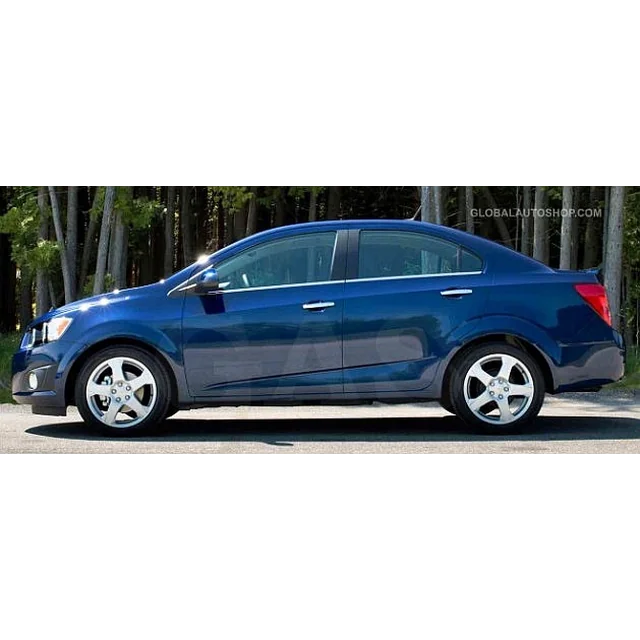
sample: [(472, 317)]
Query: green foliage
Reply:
[(631, 250), (8, 346), (233, 198), (87, 289), (631, 379), (631, 256), (21, 222), (138, 213)]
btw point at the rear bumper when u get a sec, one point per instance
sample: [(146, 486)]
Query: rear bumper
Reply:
[(589, 365)]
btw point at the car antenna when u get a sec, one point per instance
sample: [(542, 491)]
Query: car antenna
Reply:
[(416, 215)]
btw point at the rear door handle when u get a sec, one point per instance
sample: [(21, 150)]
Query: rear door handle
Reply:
[(454, 293), (318, 306)]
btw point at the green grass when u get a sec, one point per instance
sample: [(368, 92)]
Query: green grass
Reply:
[(631, 379), (8, 346)]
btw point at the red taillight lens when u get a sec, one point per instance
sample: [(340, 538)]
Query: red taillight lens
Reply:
[(596, 296)]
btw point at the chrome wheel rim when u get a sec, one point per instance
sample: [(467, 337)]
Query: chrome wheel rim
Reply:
[(121, 392), (499, 388)]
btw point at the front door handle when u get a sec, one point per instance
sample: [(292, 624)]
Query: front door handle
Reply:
[(318, 306), (455, 293)]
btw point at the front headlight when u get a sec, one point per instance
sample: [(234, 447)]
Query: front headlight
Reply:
[(55, 328)]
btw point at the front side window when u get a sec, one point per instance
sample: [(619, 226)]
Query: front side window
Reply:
[(299, 259), (391, 254)]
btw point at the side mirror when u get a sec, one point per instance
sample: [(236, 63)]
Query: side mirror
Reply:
[(207, 282)]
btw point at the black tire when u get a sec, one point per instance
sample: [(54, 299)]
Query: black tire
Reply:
[(156, 416), (445, 403), (522, 416), (172, 411)]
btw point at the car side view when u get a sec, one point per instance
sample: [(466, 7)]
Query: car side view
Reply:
[(333, 312)]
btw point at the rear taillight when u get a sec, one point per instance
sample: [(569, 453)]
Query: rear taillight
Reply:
[(595, 295)]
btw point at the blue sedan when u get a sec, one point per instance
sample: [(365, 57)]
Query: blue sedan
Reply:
[(329, 313)]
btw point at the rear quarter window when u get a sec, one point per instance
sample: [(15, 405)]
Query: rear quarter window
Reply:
[(469, 261)]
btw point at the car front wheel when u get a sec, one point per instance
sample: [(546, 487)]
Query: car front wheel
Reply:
[(497, 388), (123, 391)]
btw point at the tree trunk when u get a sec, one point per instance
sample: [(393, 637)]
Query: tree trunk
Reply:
[(575, 234), (8, 287), (169, 232), (438, 207), (281, 210), (88, 244), (252, 212), (186, 224), (527, 222), (628, 315), (240, 223), (605, 224), (540, 227), (591, 242), (199, 221), (53, 301), (221, 226), (460, 215), (72, 239), (121, 276), (26, 312), (42, 290), (64, 258), (313, 205), (118, 253), (591, 236), (426, 204), (503, 230), (568, 230), (613, 258), (103, 244), (146, 259), (468, 206), (333, 206)]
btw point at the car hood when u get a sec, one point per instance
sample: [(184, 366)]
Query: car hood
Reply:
[(125, 296)]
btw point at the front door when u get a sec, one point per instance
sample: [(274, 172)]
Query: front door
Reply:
[(275, 329)]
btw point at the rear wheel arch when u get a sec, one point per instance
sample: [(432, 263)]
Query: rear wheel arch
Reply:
[(115, 342), (505, 338)]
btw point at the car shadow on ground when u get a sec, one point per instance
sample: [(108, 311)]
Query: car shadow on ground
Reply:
[(285, 432)]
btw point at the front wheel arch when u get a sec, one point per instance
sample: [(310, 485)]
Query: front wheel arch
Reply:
[(70, 383)]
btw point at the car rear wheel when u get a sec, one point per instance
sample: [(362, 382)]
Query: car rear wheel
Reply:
[(123, 391), (497, 388)]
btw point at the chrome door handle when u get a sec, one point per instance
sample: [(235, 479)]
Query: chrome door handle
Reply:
[(318, 306), (456, 292)]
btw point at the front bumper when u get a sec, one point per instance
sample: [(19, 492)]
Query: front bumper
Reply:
[(47, 363)]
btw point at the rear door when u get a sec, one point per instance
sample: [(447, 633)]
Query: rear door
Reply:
[(406, 293)]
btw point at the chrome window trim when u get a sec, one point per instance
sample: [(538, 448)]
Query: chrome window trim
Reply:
[(278, 286), (312, 284), (183, 286), (419, 275)]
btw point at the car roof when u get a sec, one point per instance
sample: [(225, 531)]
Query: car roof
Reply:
[(496, 257)]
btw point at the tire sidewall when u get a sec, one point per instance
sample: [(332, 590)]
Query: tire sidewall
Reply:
[(163, 402)]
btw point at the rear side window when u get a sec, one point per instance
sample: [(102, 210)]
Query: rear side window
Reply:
[(391, 254)]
